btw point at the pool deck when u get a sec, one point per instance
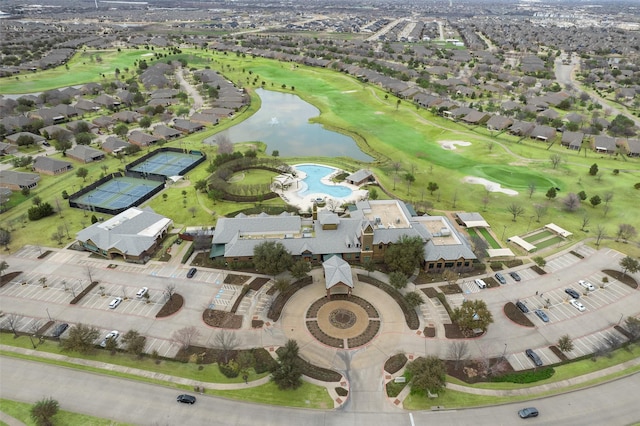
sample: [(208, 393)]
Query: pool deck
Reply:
[(291, 196)]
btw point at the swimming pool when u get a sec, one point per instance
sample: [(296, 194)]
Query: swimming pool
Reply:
[(312, 184)]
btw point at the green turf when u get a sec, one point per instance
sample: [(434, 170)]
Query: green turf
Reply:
[(548, 243), (472, 232), (487, 236), (538, 236)]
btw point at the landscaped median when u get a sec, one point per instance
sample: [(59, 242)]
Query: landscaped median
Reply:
[(567, 377), (174, 374)]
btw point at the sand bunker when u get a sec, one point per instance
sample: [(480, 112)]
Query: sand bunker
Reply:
[(489, 186), (451, 145)]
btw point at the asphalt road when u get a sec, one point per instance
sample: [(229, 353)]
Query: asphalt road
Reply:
[(129, 401)]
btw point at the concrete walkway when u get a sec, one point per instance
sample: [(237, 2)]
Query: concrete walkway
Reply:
[(11, 421)]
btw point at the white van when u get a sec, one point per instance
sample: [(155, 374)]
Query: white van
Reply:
[(480, 283)]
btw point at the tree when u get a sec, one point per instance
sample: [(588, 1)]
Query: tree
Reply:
[(432, 187), (193, 210), (551, 193), (275, 153), (600, 234), (369, 266), (169, 291), (540, 210), (633, 326), (13, 320), (405, 255), (414, 299), (480, 247), (134, 342), (565, 344), (625, 232), (145, 122), (556, 159), (5, 238), (281, 284), (582, 195), (531, 189), (539, 260), (44, 410), (410, 178), (515, 209), (595, 200), (300, 269), (398, 280), (585, 221), (287, 374), (227, 342), (630, 264), (593, 170), (427, 374), (81, 338), (271, 258), (571, 202), (121, 130), (82, 173), (458, 352), (473, 314), (225, 146), (373, 194), (185, 336), (83, 139), (3, 266)]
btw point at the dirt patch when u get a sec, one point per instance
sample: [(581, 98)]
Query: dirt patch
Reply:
[(395, 363), (538, 270), (516, 315), (491, 282), (221, 319), (172, 306), (558, 353), (257, 283), (429, 332), (623, 278), (236, 279), (450, 289), (452, 331), (257, 323), (7, 278), (430, 292), (476, 371)]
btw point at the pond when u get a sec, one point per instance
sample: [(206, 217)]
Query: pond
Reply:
[(283, 124)]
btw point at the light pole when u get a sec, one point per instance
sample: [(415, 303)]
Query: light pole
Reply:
[(504, 231), (504, 354), (47, 309)]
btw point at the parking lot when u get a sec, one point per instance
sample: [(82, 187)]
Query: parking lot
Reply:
[(520, 361)]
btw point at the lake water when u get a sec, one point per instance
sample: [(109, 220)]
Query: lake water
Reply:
[(283, 124)]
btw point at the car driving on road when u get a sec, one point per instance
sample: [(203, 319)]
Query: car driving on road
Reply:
[(525, 413), (186, 399)]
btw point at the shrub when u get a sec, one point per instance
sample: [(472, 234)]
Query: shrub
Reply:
[(341, 391), (229, 369), (528, 376), (263, 360), (496, 266)]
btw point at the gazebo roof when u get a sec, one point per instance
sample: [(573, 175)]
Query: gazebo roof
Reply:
[(337, 271)]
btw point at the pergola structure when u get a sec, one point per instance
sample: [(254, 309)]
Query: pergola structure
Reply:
[(337, 274)]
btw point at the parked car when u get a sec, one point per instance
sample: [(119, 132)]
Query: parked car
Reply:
[(525, 413), (579, 306), (191, 272), (60, 328), (500, 278), (534, 357), (115, 302), (571, 292), (587, 285), (480, 283), (140, 294), (522, 307), (515, 276), (186, 399), (113, 334), (540, 313)]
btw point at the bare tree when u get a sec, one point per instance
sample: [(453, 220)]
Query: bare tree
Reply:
[(585, 221), (626, 232), (600, 234), (224, 144), (185, 336), (396, 166), (227, 341), (608, 196), (13, 320), (458, 351), (540, 210), (531, 189), (193, 211), (169, 291), (571, 202), (515, 210), (556, 160)]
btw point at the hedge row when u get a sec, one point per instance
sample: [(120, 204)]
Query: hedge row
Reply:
[(278, 304), (443, 299), (410, 315), (84, 292), (528, 376), (315, 372)]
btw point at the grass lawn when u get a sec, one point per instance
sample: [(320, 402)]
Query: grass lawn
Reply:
[(21, 411), (306, 396), (472, 232), (487, 236), (538, 236), (548, 243)]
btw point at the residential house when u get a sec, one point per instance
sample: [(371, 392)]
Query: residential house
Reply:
[(543, 133), (84, 106), (204, 118), (56, 131), (166, 133), (142, 139), (572, 140), (13, 139), (127, 116), (17, 181), (133, 235), (186, 126), (104, 122), (476, 117), (113, 145), (633, 147), (521, 128), (499, 122), (85, 154), (7, 148), (50, 166), (73, 126), (604, 144)]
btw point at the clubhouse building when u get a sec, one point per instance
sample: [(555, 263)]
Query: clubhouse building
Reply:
[(363, 234)]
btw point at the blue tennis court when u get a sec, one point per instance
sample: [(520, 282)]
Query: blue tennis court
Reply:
[(118, 193), (167, 163)]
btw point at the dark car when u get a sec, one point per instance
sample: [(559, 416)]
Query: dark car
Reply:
[(57, 332), (191, 272), (534, 357), (525, 413), (522, 307), (500, 278), (571, 292), (186, 399), (515, 276)]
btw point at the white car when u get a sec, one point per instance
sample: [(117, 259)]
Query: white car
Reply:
[(113, 334), (579, 306), (140, 294), (115, 302), (587, 285), (480, 283)]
